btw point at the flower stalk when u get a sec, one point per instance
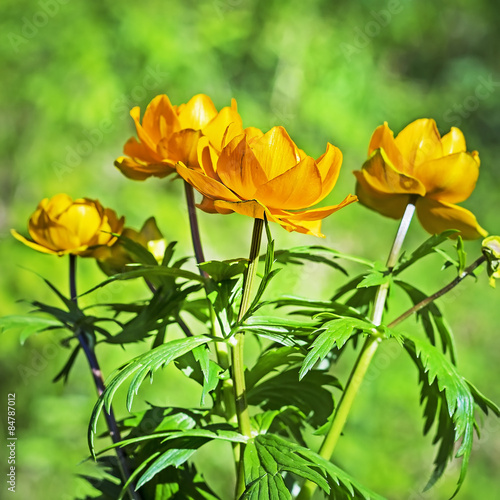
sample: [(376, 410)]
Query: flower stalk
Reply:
[(237, 351), (364, 358), (88, 349), (193, 224)]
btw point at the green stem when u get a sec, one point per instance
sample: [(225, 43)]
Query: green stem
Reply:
[(237, 351), (364, 358), (114, 431)]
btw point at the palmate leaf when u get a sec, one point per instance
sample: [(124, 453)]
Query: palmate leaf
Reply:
[(429, 246), (334, 333), (313, 253), (432, 320), (149, 272), (28, 325), (141, 366), (449, 402), (268, 457), (311, 395)]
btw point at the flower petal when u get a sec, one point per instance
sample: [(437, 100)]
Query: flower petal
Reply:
[(83, 219), (383, 137), (418, 142), (207, 186), (390, 205), (453, 142), (315, 213), (297, 188), (197, 112), (32, 244), (275, 152), (160, 119), (140, 171), (215, 130), (379, 173), (251, 208), (239, 169), (436, 217), (329, 167), (141, 152), (451, 178), (181, 146)]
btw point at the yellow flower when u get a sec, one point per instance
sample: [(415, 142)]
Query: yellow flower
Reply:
[(62, 226), (259, 173), (113, 260), (169, 134), (418, 161)]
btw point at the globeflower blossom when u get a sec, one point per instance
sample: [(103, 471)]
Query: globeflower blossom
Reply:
[(62, 226), (437, 172), (257, 174)]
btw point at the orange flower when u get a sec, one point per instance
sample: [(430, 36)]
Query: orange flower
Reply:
[(62, 226), (437, 170), (260, 173), (169, 134)]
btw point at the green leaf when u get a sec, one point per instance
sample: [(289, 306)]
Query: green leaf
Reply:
[(448, 400), (224, 270), (210, 369), (268, 457), (432, 319), (296, 254), (141, 366), (335, 333), (149, 272), (27, 325), (428, 247), (343, 485), (311, 395), (182, 446), (462, 255), (374, 278)]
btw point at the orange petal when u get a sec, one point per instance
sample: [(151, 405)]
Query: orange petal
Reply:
[(32, 244), (383, 137), (315, 213), (239, 169), (141, 152), (140, 171), (390, 205), (436, 217), (251, 208), (181, 146), (160, 119), (329, 167), (207, 186), (275, 152), (418, 142), (380, 174), (215, 130), (142, 134), (451, 178), (197, 112), (299, 187), (453, 142)]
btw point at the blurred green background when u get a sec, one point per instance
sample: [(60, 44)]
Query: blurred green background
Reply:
[(327, 71)]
